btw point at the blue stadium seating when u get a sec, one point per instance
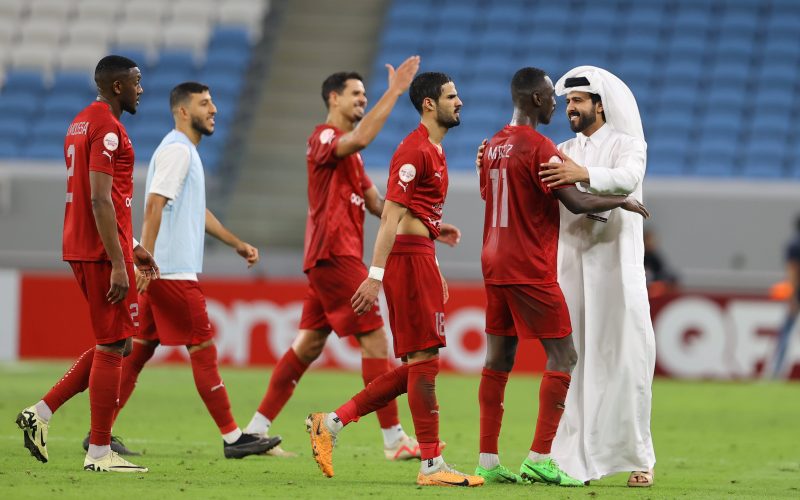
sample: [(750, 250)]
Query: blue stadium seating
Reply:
[(715, 81), (37, 106)]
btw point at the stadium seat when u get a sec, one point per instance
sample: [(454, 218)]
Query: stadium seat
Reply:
[(98, 11)]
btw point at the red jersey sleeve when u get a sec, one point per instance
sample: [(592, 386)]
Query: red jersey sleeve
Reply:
[(547, 152), (407, 168), (322, 146), (104, 147)]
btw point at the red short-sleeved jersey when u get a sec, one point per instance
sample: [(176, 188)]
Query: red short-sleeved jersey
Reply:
[(336, 187), (97, 141), (520, 229), (418, 179)]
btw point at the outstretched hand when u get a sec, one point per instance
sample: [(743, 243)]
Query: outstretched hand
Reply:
[(449, 234), (563, 173), (631, 204), (400, 79)]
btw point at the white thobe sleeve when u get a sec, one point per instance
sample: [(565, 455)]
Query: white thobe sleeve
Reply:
[(171, 168), (625, 175)]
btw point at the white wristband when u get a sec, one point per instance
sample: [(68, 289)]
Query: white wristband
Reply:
[(376, 273), (135, 242)]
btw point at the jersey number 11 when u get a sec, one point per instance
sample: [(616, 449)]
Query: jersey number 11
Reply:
[(499, 197)]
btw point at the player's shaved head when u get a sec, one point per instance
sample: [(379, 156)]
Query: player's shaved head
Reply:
[(182, 92), (525, 83), (110, 69), (427, 85)]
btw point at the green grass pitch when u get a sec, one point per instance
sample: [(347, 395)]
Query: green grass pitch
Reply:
[(713, 440)]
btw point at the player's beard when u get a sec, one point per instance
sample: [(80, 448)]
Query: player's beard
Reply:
[(585, 121), (197, 124), (447, 121)]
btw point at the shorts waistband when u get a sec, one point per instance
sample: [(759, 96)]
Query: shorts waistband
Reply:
[(411, 243)]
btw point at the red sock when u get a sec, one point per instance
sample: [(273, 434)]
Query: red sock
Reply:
[(284, 379), (76, 380), (131, 367), (552, 394), (211, 388), (377, 394), (103, 394), (490, 397), (372, 368), (424, 408)]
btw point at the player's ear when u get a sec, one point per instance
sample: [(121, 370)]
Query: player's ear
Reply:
[(428, 104), (536, 99)]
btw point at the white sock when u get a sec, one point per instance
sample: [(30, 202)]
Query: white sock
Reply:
[(333, 423), (392, 434), (259, 424), (431, 465), (489, 460), (232, 436), (538, 457), (96, 451), (44, 411)]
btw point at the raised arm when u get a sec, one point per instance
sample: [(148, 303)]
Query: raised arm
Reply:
[(371, 124)]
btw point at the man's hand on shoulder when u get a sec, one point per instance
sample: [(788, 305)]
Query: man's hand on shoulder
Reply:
[(479, 156), (557, 174)]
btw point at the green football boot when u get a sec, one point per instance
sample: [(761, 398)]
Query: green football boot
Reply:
[(497, 474), (546, 471)]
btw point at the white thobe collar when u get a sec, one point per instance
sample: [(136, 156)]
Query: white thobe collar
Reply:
[(599, 136)]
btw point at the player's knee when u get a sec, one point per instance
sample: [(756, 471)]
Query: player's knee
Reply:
[(500, 362), (374, 344), (117, 347)]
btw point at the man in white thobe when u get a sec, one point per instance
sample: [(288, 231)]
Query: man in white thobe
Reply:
[(606, 424)]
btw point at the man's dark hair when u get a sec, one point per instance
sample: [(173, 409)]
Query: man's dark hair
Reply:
[(110, 67), (337, 82), (427, 85), (525, 82), (181, 92)]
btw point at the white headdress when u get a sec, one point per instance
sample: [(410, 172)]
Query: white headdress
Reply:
[(619, 105)]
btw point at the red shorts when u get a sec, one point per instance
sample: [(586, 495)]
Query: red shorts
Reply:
[(527, 311), (331, 285), (174, 313), (110, 322), (414, 295)]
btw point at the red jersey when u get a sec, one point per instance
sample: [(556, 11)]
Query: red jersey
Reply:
[(418, 179), (520, 228), (336, 187), (96, 141)]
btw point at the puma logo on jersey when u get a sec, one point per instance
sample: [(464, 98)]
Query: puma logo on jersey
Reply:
[(438, 174), (404, 186)]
